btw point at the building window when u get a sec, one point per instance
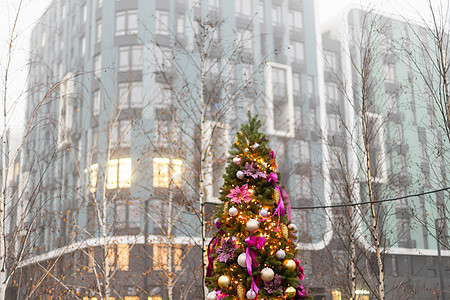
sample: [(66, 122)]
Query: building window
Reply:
[(99, 31), (91, 260), (297, 51), (296, 83), (97, 65), (84, 13), (331, 92), (295, 20), (333, 123), (247, 73), (303, 186), (123, 257), (301, 151), (119, 173), (376, 153), (130, 95), (66, 107), (93, 178), (162, 22), (389, 73), (331, 62), (279, 99), (180, 24), (82, 45), (277, 16), (120, 134), (161, 170), (96, 102), (163, 58), (311, 90), (391, 103), (126, 22), (243, 7), (160, 257), (244, 40), (130, 58), (214, 4), (261, 12), (336, 295)]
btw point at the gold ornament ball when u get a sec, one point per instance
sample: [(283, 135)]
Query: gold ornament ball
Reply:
[(290, 292), (289, 264), (224, 281)]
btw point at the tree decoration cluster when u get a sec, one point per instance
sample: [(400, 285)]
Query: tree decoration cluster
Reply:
[(253, 254)]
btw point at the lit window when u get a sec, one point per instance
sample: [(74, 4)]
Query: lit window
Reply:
[(130, 58), (154, 298), (126, 22), (336, 295), (91, 260), (162, 22), (93, 178), (295, 20), (160, 256), (161, 172), (119, 173), (130, 95), (100, 3), (123, 257), (131, 298), (111, 256)]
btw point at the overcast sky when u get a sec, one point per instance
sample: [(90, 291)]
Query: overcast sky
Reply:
[(32, 9)]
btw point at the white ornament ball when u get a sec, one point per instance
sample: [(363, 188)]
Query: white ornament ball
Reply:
[(241, 260), (281, 254), (211, 296), (240, 174), (237, 160), (292, 227), (263, 213), (234, 238), (251, 294), (255, 145), (233, 211), (252, 225), (267, 274)]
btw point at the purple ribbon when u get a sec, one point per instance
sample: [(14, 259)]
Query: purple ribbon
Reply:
[(250, 257), (220, 295), (210, 260), (283, 197)]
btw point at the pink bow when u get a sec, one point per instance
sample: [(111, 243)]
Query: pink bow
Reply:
[(250, 257)]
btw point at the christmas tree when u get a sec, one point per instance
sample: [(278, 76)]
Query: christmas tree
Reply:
[(253, 254)]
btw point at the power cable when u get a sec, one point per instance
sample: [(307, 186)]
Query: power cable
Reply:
[(369, 202)]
